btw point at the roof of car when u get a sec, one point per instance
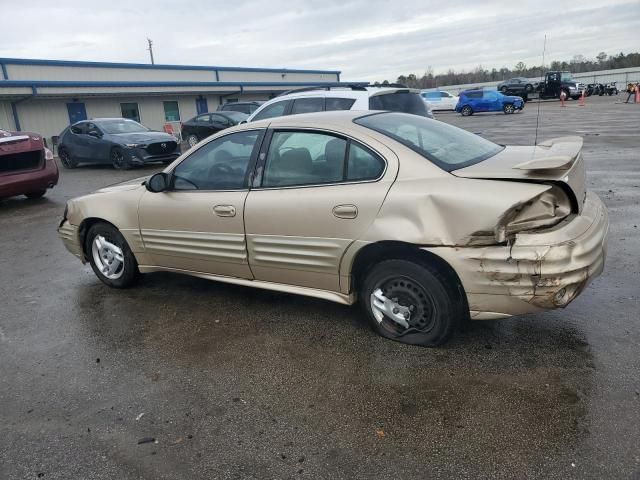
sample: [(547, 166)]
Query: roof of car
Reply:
[(333, 119)]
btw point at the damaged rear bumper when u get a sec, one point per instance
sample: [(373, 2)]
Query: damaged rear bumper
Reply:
[(539, 271)]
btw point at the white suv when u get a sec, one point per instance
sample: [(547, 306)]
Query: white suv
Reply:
[(343, 97)]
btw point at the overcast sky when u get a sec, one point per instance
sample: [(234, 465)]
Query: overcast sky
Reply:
[(366, 39)]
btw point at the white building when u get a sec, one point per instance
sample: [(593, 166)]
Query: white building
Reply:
[(45, 96)]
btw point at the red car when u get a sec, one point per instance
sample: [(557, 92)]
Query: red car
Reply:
[(26, 165)]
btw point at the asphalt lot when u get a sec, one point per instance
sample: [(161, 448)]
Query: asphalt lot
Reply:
[(243, 383)]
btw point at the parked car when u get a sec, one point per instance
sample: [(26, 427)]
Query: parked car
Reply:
[(474, 101), (202, 126), (27, 167), (121, 142), (517, 86), (423, 223), (439, 100), (347, 97), (242, 107)]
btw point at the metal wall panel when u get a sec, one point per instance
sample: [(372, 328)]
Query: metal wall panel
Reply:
[(59, 73), (6, 117)]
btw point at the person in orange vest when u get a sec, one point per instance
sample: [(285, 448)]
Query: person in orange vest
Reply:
[(632, 91)]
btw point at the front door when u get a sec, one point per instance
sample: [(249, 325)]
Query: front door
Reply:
[(76, 112), (318, 192), (201, 105), (198, 225)]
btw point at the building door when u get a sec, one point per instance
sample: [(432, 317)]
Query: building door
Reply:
[(201, 105), (76, 111)]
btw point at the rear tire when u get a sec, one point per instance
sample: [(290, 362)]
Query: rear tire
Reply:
[(416, 292), (114, 249), (36, 194), (192, 140), (466, 111), (65, 158), (528, 88), (504, 89)]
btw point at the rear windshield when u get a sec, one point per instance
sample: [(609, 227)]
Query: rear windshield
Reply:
[(447, 146), (399, 101)]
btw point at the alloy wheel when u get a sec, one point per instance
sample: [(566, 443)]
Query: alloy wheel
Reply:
[(192, 140), (108, 257)]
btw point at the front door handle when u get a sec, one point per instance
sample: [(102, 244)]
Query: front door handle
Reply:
[(345, 211), (225, 210)]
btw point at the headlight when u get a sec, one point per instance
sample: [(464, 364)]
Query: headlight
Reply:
[(135, 145)]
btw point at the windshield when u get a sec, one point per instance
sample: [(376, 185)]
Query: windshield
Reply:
[(121, 126), (566, 77), (447, 146), (399, 101)]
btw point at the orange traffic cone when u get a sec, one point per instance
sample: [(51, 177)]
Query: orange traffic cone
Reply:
[(562, 98), (582, 99)]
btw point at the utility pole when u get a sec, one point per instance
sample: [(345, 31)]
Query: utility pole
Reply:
[(150, 50)]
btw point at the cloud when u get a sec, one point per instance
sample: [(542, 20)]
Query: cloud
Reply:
[(366, 39)]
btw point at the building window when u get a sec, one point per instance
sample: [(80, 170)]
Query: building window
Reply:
[(130, 110), (171, 112)]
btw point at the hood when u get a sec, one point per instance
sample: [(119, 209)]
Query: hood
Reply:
[(143, 137), (122, 186), (556, 161)]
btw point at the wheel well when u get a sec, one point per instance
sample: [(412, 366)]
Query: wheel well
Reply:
[(374, 253), (85, 225)]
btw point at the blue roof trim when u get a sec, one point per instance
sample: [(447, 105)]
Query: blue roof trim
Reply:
[(76, 63), (64, 83)]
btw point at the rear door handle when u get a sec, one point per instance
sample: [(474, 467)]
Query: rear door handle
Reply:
[(345, 211), (225, 210)]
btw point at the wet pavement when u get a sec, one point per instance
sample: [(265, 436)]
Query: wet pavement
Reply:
[(235, 382)]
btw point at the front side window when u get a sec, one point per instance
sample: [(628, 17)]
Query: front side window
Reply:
[(130, 110), (307, 105), (447, 146), (274, 110), (171, 112), (218, 165)]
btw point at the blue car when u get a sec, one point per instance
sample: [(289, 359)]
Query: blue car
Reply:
[(474, 101)]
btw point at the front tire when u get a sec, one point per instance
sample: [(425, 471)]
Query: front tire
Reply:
[(508, 109), (466, 111), (410, 303), (110, 256), (528, 88), (118, 159)]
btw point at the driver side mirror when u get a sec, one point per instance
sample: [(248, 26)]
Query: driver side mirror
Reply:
[(158, 182)]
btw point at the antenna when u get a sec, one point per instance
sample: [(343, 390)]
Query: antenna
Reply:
[(544, 50), (150, 49)]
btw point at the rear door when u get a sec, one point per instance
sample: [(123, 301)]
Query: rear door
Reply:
[(315, 192)]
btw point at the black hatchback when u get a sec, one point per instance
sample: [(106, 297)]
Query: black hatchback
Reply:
[(207, 124)]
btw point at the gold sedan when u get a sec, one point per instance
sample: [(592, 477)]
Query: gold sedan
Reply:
[(424, 223)]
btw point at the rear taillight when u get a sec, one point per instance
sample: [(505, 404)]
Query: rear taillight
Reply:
[(48, 154)]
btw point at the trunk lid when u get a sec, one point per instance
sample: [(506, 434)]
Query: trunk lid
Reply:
[(557, 161)]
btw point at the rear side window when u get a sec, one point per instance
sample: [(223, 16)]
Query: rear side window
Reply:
[(274, 110), (363, 164), (399, 101), (79, 129), (473, 95), (307, 105), (339, 103), (431, 95)]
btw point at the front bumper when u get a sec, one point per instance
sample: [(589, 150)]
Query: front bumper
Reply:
[(70, 236), (543, 270), (139, 156)]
